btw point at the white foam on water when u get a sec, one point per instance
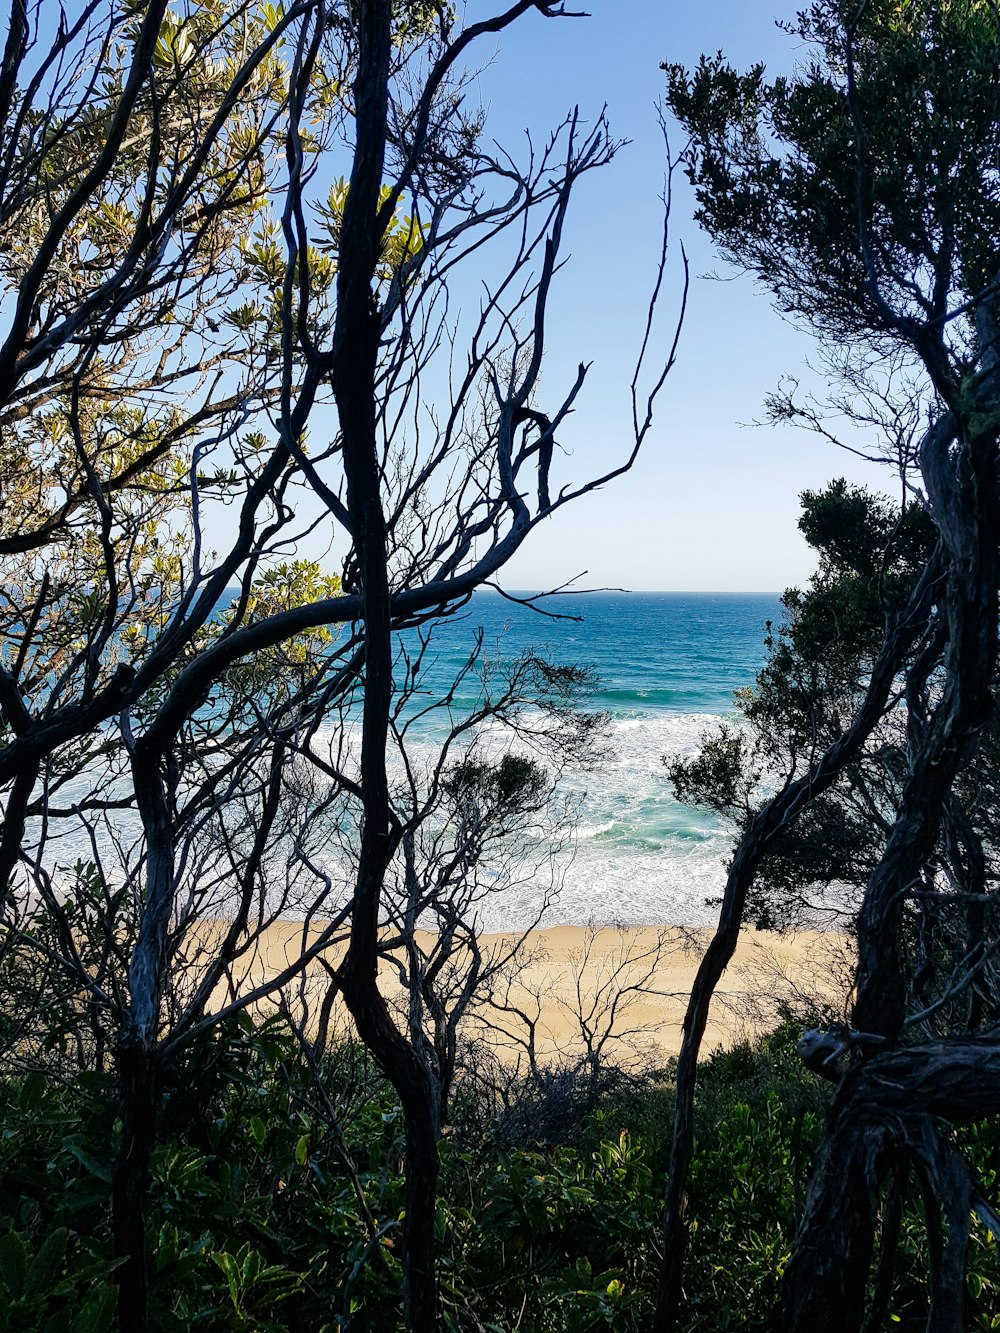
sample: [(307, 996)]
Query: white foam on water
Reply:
[(584, 831), (631, 888), (636, 856)]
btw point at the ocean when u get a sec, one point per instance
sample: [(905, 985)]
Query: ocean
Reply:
[(666, 667)]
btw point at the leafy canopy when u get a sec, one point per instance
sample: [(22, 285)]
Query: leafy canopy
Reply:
[(863, 191)]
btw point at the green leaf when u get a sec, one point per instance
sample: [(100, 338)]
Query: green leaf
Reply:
[(251, 1268), (231, 1271), (46, 1263), (13, 1264), (31, 1090), (96, 1168), (97, 1315), (167, 1246), (258, 1129)]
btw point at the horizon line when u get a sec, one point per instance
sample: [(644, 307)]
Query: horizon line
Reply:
[(631, 592)]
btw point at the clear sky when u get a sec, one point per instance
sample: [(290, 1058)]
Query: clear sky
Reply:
[(712, 504)]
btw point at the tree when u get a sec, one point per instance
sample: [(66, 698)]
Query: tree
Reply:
[(870, 556), (483, 815), (212, 340), (863, 194)]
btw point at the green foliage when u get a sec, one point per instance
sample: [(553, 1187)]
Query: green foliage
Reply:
[(402, 239), (869, 556), (48, 1290), (723, 775), (254, 1224), (515, 781), (980, 1144), (55, 1273), (814, 185), (567, 1230)]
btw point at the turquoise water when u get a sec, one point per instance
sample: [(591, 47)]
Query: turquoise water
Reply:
[(667, 665)]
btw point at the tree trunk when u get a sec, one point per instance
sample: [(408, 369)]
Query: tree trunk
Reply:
[(136, 1057), (139, 1078), (356, 340), (420, 1295), (955, 1076), (888, 1111), (771, 819), (826, 1280), (417, 1098)]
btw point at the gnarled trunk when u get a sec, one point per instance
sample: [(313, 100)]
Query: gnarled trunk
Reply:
[(887, 1112), (892, 1097), (773, 817), (826, 1280)]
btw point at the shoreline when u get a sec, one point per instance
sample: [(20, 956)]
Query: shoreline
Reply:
[(622, 988)]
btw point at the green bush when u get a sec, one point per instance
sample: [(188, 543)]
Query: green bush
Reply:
[(255, 1224)]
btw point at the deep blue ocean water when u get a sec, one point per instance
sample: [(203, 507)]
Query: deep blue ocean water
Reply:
[(667, 665), (652, 651)]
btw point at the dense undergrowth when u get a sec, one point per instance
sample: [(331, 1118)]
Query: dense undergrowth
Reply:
[(276, 1197)]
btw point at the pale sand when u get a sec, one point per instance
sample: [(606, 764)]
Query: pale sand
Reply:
[(570, 977)]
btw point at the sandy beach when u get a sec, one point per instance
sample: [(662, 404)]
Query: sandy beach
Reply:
[(578, 971), (623, 988)]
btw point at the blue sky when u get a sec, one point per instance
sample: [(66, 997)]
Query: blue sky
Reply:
[(712, 505)]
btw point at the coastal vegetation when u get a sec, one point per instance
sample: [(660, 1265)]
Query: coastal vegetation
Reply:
[(230, 234), (230, 231), (862, 193), (266, 1212)]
